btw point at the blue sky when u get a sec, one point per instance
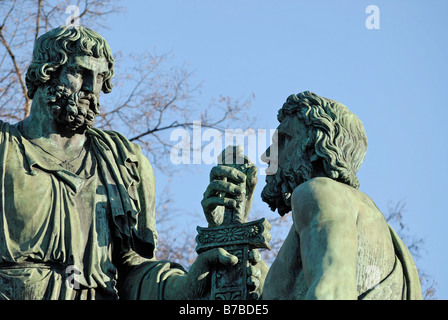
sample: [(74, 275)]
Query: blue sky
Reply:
[(393, 78)]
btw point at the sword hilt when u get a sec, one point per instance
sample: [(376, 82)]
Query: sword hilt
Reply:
[(236, 236)]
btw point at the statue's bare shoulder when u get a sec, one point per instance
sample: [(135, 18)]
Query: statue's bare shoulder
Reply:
[(323, 198), (322, 195)]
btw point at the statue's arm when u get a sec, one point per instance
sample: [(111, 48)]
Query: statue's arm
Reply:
[(150, 279), (144, 279), (325, 220)]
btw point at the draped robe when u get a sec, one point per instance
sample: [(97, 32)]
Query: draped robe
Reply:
[(84, 235)]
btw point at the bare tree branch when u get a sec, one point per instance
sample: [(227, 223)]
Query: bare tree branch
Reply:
[(39, 9), (27, 105)]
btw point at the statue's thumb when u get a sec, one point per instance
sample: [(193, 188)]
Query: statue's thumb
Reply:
[(227, 259), (252, 178), (221, 256)]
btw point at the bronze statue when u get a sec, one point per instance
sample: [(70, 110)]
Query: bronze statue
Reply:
[(340, 245)]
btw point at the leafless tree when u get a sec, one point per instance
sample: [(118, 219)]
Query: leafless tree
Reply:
[(151, 95), (160, 97)]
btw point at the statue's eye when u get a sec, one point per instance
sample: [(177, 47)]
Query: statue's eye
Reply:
[(75, 71), (100, 78)]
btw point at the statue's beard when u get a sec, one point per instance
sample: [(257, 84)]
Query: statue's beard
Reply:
[(72, 112), (280, 186)]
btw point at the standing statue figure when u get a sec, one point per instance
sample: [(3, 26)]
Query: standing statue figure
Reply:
[(77, 214), (340, 245)]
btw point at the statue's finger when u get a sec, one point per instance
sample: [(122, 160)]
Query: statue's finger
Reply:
[(209, 204), (221, 172), (251, 176), (254, 256), (226, 258), (217, 256), (254, 272), (253, 283), (219, 186)]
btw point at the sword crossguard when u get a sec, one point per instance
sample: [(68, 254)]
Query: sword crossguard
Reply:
[(255, 234)]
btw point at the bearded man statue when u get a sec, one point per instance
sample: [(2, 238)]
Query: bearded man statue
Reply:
[(77, 213), (340, 245)]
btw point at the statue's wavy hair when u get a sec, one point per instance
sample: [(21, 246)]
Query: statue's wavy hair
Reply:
[(338, 136), (52, 50)]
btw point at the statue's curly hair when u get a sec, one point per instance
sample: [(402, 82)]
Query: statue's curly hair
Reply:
[(338, 136), (52, 50)]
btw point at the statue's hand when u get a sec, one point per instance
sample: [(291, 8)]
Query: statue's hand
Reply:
[(196, 283), (231, 188), (258, 270)]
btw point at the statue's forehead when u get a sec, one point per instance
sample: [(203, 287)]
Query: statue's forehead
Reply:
[(90, 63)]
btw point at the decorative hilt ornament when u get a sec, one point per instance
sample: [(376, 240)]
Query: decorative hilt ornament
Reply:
[(236, 236)]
